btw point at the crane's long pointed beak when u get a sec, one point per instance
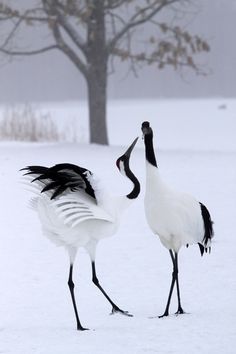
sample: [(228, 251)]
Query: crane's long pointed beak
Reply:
[(130, 148)]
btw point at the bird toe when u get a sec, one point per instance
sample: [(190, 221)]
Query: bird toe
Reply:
[(117, 310), (165, 314), (180, 311)]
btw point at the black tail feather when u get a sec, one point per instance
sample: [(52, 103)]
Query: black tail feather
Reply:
[(49, 186), (202, 249), (34, 169), (58, 191), (208, 225), (208, 230), (60, 177)]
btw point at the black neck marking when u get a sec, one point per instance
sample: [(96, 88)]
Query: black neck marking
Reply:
[(149, 150), (136, 189)]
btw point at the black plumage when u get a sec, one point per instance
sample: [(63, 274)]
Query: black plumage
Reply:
[(61, 177), (208, 224)]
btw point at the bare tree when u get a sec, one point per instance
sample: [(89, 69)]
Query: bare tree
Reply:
[(93, 33)]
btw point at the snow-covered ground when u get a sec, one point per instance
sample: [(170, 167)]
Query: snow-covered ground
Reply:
[(179, 124), (196, 151)]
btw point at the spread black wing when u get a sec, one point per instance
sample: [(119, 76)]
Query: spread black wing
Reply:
[(61, 177)]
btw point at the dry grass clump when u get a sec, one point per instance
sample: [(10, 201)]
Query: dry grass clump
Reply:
[(22, 123)]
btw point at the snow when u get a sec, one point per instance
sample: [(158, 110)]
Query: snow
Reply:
[(196, 151)]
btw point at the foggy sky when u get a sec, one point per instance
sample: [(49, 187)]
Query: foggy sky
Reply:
[(52, 77)]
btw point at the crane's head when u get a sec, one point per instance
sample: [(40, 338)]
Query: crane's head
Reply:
[(123, 161), (146, 129), (148, 137)]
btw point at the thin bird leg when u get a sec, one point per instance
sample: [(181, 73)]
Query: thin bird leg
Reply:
[(180, 310), (115, 308), (71, 287), (166, 313)]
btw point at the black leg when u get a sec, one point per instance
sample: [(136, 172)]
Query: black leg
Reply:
[(166, 313), (180, 310), (115, 308), (71, 287)]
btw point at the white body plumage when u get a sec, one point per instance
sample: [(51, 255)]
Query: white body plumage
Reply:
[(74, 219), (174, 216)]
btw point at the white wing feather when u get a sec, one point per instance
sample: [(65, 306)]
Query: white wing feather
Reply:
[(76, 208), (72, 207)]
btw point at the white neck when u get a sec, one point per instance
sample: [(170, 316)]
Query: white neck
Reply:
[(153, 179), (115, 205)]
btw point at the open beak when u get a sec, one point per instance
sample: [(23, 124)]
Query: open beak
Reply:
[(130, 148)]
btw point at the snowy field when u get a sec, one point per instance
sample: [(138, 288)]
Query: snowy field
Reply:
[(196, 151)]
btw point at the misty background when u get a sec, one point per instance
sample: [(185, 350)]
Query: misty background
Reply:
[(52, 77)]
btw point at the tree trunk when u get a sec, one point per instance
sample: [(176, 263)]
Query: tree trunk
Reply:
[(97, 73), (97, 97)]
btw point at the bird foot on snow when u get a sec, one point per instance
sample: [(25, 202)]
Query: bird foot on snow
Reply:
[(180, 311), (80, 328), (165, 314), (117, 310), (157, 316)]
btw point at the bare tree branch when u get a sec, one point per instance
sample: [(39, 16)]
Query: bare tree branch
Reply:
[(68, 51), (113, 4), (77, 9), (51, 9), (28, 16), (28, 52), (72, 33), (134, 21), (12, 33)]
